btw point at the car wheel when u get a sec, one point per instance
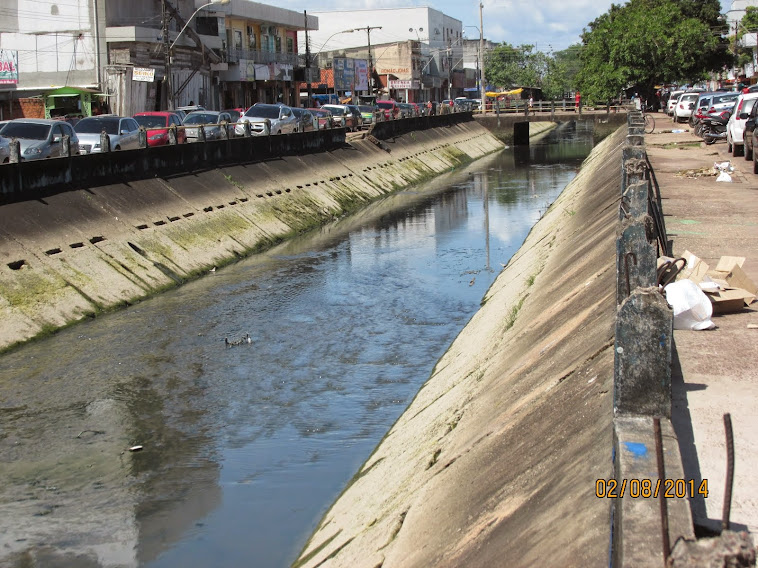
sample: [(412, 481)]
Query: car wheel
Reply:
[(755, 164), (748, 152), (118, 147), (729, 146), (736, 149)]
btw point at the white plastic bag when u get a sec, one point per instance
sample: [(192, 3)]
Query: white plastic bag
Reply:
[(692, 308), (723, 176)]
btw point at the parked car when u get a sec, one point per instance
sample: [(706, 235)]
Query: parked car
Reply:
[(235, 113), (323, 117), (673, 97), (213, 123), (40, 138), (5, 150), (305, 120), (735, 128), (267, 119), (342, 115), (368, 114), (390, 108), (122, 131), (749, 135), (684, 106), (157, 125), (183, 111)]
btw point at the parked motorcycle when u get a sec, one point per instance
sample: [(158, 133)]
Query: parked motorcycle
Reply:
[(714, 129)]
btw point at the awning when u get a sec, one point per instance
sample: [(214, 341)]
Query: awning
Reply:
[(504, 93)]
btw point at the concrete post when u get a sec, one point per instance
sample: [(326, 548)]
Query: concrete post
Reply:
[(635, 258), (552, 111), (635, 201), (66, 145), (633, 166), (172, 139), (224, 130), (142, 137), (200, 133), (247, 132), (105, 142), (642, 366), (15, 150)]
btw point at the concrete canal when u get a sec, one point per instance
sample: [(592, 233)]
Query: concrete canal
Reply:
[(140, 439)]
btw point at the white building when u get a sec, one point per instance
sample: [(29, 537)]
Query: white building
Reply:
[(736, 12)]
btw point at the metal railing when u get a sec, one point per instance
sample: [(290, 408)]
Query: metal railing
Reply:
[(233, 55)]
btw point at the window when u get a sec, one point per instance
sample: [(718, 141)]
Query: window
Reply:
[(251, 38), (290, 45), (237, 39), (278, 42)]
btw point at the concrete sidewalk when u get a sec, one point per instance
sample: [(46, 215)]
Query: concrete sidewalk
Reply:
[(715, 371)]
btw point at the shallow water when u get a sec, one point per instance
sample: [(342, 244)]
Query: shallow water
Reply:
[(244, 448)]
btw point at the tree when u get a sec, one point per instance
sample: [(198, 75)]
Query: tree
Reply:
[(522, 66), (647, 42)]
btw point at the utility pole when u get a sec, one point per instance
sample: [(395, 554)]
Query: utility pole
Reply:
[(370, 63), (308, 62), (167, 59), (482, 82)]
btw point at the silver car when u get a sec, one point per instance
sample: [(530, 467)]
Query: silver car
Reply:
[(267, 119), (5, 150), (211, 120), (123, 133), (40, 138)]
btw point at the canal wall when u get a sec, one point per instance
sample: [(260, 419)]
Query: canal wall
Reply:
[(603, 124), (495, 461), (119, 231)]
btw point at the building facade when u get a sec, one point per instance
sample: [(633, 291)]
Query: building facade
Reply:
[(45, 47)]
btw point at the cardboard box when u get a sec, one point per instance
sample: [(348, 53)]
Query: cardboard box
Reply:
[(735, 289)]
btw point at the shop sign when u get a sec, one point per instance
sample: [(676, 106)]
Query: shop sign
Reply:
[(402, 84), (145, 74), (8, 67)]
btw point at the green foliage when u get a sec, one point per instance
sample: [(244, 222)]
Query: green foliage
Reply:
[(647, 42), (750, 19), (522, 66)]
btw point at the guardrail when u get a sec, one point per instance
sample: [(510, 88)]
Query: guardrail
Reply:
[(646, 522)]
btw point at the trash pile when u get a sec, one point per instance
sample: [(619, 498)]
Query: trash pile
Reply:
[(721, 169), (696, 292)]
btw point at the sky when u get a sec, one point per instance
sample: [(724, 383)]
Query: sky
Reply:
[(550, 25)]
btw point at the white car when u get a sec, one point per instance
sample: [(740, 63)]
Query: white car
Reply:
[(735, 128), (684, 106), (674, 95), (267, 119)]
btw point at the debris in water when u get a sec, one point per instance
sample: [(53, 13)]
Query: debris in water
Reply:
[(245, 340), (135, 449), (471, 282)]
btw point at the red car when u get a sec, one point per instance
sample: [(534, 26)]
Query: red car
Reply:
[(157, 123), (390, 108)]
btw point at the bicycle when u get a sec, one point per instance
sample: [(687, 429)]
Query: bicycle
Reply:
[(649, 123)]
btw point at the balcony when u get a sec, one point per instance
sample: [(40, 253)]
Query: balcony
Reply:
[(234, 55)]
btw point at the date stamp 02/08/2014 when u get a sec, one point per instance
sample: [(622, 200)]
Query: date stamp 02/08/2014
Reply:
[(650, 488)]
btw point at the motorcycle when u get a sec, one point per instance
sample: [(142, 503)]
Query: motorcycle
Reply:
[(714, 128)]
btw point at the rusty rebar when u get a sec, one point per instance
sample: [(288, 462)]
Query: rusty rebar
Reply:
[(726, 511), (662, 497)]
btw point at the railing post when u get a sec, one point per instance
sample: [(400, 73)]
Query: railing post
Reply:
[(66, 145), (172, 139), (105, 142), (15, 152), (200, 133), (142, 137)]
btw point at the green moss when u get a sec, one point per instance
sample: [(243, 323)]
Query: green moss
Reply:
[(513, 314)]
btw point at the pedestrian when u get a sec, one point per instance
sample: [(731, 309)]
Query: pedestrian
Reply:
[(578, 100), (531, 105)]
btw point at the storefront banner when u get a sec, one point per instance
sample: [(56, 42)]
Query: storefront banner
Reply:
[(145, 74), (283, 71), (262, 72), (402, 84), (361, 75), (8, 67)]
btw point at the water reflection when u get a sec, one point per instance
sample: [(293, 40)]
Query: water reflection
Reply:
[(244, 448)]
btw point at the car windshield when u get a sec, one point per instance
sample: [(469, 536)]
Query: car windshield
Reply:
[(384, 105), (201, 118), (688, 98), (97, 125), (365, 108), (725, 98), (152, 121), (263, 111), (26, 130), (339, 111)]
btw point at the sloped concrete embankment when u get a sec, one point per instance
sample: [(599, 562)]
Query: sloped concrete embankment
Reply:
[(494, 463), (74, 254)]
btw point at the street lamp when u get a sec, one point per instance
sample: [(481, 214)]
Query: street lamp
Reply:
[(170, 46), (323, 46)]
